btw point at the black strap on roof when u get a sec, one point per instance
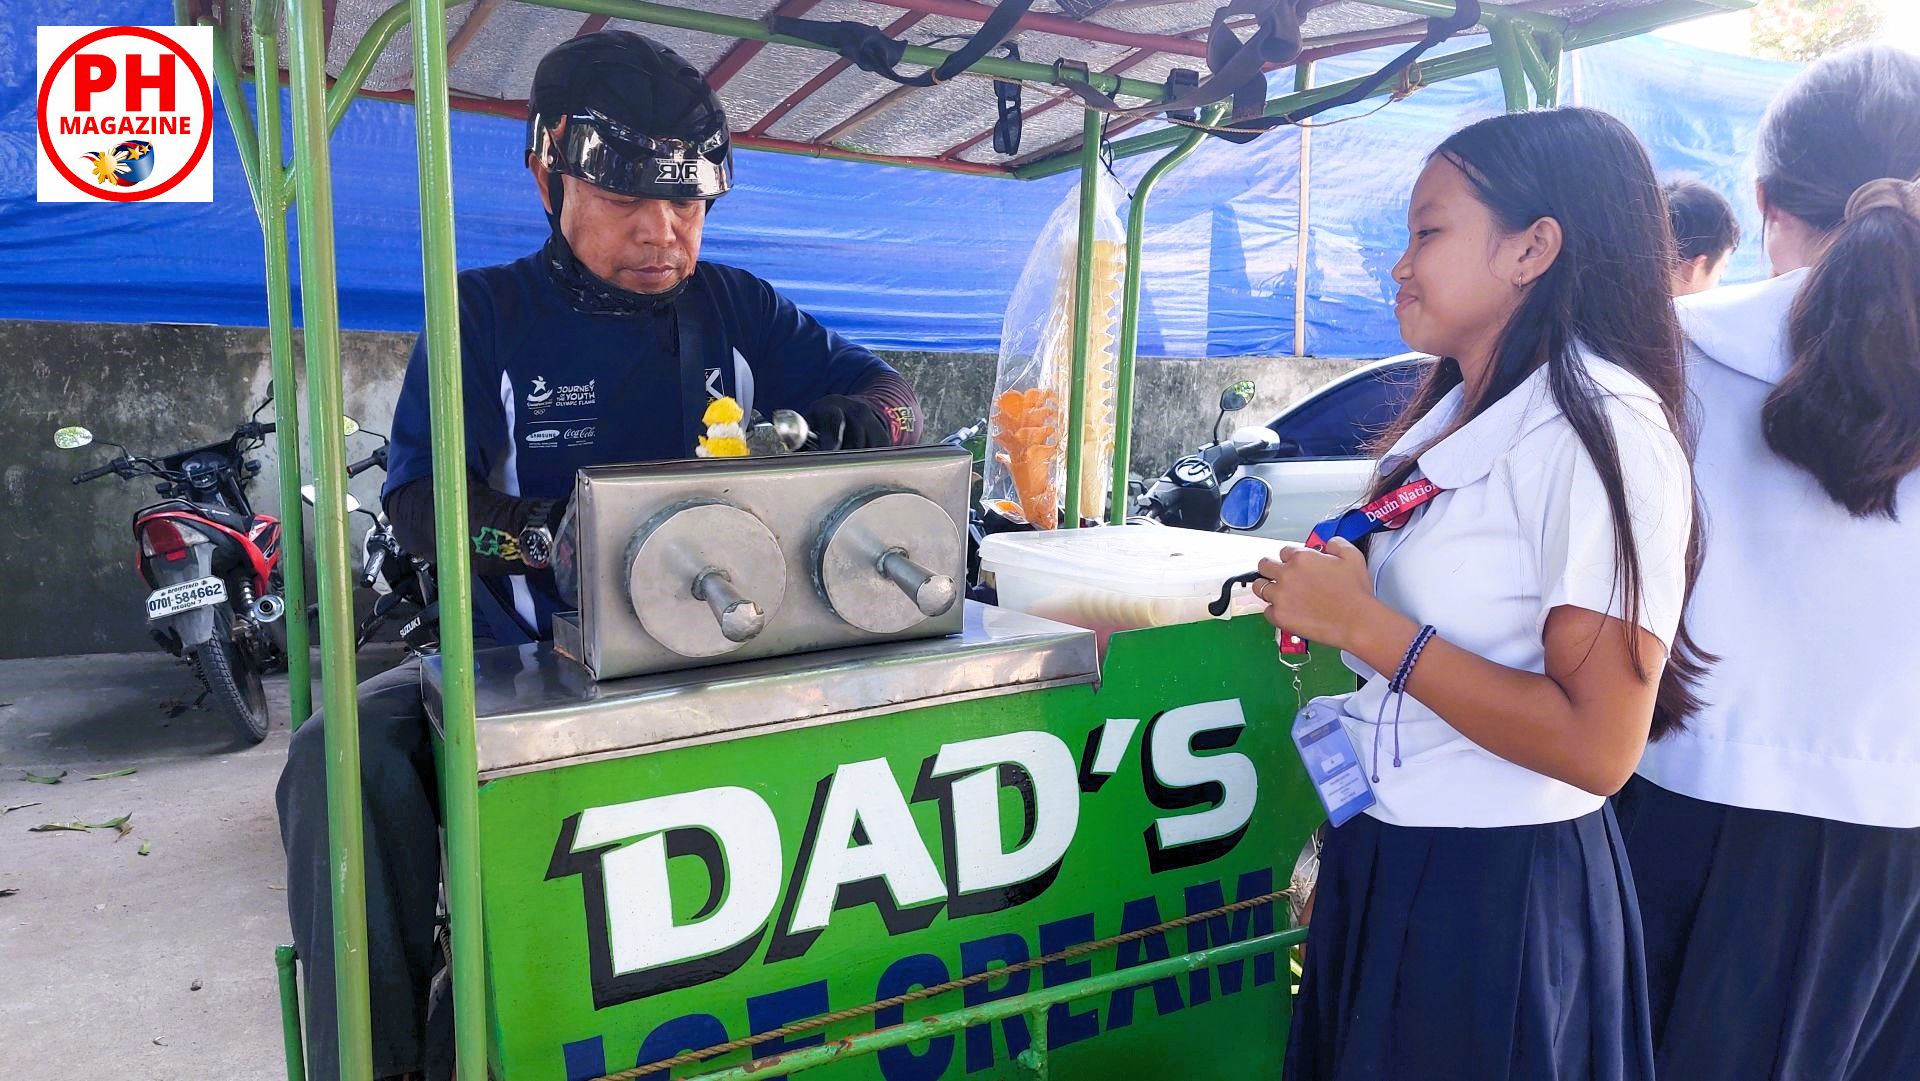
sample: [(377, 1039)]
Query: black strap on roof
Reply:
[(1238, 70), (870, 50), (1236, 66)]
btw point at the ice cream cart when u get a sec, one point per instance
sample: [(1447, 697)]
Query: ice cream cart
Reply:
[(933, 814), (970, 844)]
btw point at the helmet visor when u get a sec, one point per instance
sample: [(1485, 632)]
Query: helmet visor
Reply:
[(611, 156)]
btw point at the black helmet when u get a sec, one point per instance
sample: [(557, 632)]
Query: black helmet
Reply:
[(627, 114)]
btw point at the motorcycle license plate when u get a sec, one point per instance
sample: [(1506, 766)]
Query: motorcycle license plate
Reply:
[(185, 597)]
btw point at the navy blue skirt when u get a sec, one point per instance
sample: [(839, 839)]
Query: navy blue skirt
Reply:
[(1779, 947), (1506, 954)]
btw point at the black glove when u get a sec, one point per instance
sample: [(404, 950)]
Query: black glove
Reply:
[(843, 423)]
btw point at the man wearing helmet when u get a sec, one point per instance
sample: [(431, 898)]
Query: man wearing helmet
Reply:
[(605, 346)]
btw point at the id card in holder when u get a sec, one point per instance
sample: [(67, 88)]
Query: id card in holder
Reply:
[(1332, 763)]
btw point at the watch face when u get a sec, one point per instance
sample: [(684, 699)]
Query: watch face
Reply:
[(536, 547)]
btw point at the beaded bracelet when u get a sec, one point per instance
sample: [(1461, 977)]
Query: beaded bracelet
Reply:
[(1412, 657), (1397, 694)]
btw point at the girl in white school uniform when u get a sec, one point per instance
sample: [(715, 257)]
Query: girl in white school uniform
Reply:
[(1776, 842), (1478, 920)]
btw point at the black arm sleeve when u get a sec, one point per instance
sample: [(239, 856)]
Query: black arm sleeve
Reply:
[(893, 398), (494, 522)]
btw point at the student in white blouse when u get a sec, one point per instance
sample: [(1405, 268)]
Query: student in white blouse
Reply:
[(1553, 565), (1776, 841)]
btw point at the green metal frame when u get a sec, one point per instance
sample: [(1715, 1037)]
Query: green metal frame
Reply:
[(320, 316), (1526, 48), (290, 1038), (1092, 128), (1128, 354)]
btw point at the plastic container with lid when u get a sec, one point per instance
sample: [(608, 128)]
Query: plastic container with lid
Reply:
[(1122, 577)]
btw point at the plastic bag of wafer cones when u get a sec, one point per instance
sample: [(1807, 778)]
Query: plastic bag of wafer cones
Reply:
[(1027, 433)]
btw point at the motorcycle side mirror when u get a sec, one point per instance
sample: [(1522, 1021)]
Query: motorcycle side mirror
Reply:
[(72, 438), (311, 498), (1246, 504), (1237, 397), (264, 402), (349, 425)]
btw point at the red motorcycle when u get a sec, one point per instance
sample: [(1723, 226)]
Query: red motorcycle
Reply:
[(213, 565)]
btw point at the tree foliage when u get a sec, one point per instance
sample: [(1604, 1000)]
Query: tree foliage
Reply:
[(1810, 29)]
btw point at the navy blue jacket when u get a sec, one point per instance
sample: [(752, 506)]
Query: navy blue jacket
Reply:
[(549, 389)]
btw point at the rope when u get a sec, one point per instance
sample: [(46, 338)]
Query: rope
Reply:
[(826, 1020)]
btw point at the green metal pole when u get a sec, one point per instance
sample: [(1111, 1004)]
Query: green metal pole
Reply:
[(372, 43), (1124, 362), (320, 308), (286, 378), (1090, 130), (1513, 71), (259, 149), (1034, 1059), (379, 34), (460, 800), (227, 79), (867, 1043), (283, 958), (1541, 53)]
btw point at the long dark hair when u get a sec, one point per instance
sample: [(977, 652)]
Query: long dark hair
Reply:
[(1607, 290), (1848, 411)]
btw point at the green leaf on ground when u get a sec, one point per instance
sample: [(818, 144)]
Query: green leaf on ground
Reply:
[(128, 772), (19, 807), (146, 847), (122, 826), (42, 778), (118, 825)]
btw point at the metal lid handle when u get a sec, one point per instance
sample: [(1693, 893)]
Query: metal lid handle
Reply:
[(740, 619), (932, 593)]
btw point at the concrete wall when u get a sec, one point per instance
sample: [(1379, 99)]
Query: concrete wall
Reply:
[(67, 579)]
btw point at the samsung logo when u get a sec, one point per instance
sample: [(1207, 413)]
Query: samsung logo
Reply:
[(544, 435)]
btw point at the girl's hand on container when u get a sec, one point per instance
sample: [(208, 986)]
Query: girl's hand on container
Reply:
[(1324, 597)]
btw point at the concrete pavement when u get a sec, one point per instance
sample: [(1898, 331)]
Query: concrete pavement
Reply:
[(122, 965)]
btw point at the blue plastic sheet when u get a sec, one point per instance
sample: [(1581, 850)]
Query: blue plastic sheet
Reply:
[(893, 258)]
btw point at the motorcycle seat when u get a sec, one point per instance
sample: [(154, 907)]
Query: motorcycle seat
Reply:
[(239, 523)]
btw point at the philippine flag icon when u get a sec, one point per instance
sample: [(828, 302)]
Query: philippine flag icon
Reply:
[(125, 165)]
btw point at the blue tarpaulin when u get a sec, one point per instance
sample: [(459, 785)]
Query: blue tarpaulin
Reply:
[(891, 257)]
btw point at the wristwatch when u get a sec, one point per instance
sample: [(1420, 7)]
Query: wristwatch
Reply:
[(536, 540)]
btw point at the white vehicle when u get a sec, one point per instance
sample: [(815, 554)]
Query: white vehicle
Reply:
[(1322, 461)]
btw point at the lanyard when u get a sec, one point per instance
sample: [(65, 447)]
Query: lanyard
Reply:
[(1390, 511)]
